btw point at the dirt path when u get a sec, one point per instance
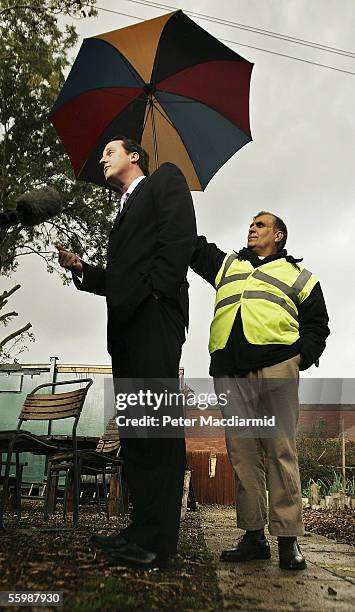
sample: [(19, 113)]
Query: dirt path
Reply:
[(327, 585)]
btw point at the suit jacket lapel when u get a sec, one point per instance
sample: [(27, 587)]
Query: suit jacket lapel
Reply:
[(128, 203)]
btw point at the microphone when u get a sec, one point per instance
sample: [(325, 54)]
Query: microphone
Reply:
[(33, 208)]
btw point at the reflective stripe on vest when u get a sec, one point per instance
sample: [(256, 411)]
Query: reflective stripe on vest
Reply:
[(268, 296), (265, 295)]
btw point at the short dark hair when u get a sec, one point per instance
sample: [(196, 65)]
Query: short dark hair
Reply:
[(131, 146), (279, 224)]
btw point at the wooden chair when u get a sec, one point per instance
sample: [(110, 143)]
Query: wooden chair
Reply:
[(15, 479), (40, 407), (102, 461)]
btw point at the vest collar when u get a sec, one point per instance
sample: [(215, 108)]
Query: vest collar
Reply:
[(249, 255)]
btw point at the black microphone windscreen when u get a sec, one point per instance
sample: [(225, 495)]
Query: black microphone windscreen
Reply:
[(38, 205)]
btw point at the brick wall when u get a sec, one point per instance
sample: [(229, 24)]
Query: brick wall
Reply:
[(326, 420)]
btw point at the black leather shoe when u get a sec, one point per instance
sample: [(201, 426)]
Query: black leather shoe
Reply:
[(247, 549), (132, 555), (290, 556), (112, 541)]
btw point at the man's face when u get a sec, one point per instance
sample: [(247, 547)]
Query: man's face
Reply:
[(263, 236), (116, 162)]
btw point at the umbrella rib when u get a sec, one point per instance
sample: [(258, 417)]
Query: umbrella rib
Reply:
[(168, 120), (151, 103), (182, 101), (146, 119), (115, 95), (193, 101), (131, 68)]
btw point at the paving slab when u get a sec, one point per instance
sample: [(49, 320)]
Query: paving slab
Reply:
[(328, 583)]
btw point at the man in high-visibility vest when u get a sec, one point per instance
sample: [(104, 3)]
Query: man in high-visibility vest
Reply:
[(270, 321)]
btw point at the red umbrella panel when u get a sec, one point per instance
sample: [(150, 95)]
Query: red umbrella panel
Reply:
[(166, 83)]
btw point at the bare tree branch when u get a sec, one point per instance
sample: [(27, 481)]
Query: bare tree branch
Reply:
[(32, 251), (39, 253), (8, 314), (7, 294), (14, 334)]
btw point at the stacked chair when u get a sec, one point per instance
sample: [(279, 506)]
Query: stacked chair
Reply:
[(44, 407), (104, 462)]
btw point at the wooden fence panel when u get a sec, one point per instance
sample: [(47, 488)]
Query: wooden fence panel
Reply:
[(208, 489)]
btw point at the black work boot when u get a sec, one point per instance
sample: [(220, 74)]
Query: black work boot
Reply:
[(253, 545), (290, 556)]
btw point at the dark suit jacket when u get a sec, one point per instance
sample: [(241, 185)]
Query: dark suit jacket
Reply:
[(149, 248)]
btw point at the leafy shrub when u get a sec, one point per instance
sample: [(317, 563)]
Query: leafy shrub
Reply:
[(310, 470), (326, 451)]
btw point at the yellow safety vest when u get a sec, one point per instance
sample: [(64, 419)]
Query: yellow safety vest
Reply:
[(268, 297)]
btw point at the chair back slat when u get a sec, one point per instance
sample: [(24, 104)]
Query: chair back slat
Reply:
[(50, 397), (34, 397), (53, 407), (52, 415), (56, 407)]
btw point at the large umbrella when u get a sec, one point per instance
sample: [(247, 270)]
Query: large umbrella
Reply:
[(166, 83)]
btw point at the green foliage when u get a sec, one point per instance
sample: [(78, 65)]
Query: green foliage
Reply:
[(333, 484), (311, 471), (325, 451), (317, 458), (337, 484), (351, 486), (34, 56), (323, 487)]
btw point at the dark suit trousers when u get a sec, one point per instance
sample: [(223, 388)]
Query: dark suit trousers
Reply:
[(149, 347)]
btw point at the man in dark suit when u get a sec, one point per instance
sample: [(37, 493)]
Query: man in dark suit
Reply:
[(145, 286)]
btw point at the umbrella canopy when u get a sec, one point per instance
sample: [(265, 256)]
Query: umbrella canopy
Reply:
[(166, 83)]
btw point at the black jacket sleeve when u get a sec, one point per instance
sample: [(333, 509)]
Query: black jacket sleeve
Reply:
[(93, 280), (176, 235), (313, 327), (207, 259)]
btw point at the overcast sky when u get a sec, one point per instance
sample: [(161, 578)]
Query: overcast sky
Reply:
[(300, 165)]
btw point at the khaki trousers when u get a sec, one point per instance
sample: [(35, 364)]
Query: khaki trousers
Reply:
[(260, 462)]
